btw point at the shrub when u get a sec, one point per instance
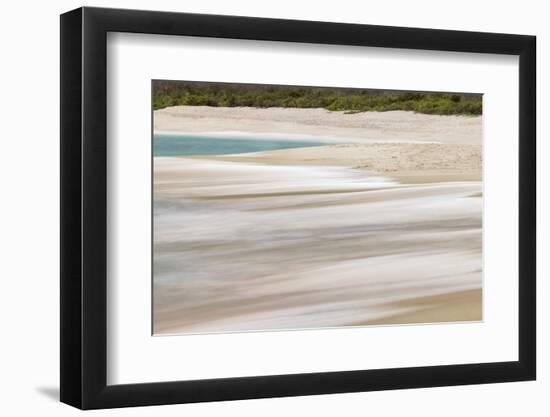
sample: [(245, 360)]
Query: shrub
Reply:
[(168, 93)]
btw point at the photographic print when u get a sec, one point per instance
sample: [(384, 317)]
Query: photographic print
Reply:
[(299, 207)]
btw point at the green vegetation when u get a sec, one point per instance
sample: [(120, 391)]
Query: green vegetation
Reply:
[(173, 93)]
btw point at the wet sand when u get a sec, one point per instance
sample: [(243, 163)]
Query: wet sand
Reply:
[(457, 306), (405, 162), (362, 233)]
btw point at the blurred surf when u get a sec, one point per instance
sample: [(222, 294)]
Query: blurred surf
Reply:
[(242, 246)]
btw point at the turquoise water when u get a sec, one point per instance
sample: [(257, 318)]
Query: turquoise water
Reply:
[(181, 145)]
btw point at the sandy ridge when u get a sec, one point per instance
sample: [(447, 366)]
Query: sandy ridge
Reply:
[(363, 127)]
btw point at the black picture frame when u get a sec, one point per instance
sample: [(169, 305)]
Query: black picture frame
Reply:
[(84, 208)]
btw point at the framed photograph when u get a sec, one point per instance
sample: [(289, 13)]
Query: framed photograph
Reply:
[(258, 208)]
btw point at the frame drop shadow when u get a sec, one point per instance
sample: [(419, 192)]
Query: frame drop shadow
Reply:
[(51, 392)]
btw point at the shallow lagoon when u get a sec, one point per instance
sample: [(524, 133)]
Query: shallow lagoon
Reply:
[(187, 145)]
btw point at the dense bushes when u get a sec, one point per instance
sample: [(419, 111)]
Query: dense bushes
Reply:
[(168, 93)]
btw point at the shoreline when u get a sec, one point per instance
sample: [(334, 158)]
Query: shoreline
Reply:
[(408, 163), (406, 146), (280, 136)]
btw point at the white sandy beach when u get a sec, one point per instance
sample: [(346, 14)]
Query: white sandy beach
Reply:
[(383, 227), (367, 127)]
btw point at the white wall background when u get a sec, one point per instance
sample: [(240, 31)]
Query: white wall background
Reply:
[(29, 175)]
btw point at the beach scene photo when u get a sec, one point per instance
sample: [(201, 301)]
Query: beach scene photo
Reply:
[(300, 207)]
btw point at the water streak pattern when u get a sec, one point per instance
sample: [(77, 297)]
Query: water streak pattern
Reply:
[(248, 247)]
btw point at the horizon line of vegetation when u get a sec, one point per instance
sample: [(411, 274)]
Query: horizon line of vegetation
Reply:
[(168, 94)]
